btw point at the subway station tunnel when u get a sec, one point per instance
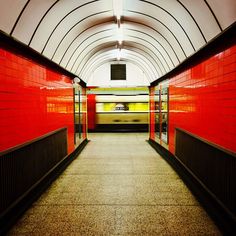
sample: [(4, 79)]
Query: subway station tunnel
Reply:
[(84, 84)]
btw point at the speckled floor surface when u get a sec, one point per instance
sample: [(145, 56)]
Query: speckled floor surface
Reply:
[(117, 186)]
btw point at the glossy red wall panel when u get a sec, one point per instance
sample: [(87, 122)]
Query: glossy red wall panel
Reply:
[(34, 100), (91, 98), (202, 100)]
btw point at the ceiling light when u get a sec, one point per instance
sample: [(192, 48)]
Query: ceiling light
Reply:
[(76, 80), (118, 55), (120, 35), (118, 8)]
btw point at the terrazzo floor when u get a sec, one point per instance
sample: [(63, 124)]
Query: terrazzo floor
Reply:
[(118, 185)]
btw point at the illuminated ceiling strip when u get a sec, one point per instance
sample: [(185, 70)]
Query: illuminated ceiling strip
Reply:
[(118, 9)]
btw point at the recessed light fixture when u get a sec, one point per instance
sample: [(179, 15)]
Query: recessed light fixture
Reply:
[(118, 54), (118, 8), (76, 80), (120, 35)]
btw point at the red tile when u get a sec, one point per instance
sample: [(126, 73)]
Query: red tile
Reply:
[(29, 105), (207, 107)]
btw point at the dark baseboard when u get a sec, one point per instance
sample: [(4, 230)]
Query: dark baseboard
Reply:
[(216, 210), (10, 218)]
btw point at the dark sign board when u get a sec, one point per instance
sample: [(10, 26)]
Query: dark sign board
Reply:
[(118, 72)]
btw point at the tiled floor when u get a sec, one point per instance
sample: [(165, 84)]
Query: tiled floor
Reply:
[(117, 186)]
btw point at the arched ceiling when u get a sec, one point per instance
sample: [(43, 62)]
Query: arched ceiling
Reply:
[(81, 35)]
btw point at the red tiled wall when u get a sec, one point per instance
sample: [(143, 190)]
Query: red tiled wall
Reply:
[(34, 100), (91, 111), (202, 100)]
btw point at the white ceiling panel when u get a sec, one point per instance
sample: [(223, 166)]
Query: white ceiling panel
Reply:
[(161, 42), (75, 32), (84, 39), (224, 11), (106, 56), (64, 14), (81, 35), (166, 33), (30, 18), (9, 12), (203, 17), (86, 46)]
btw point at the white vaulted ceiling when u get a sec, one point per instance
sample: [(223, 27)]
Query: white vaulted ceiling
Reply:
[(81, 35)]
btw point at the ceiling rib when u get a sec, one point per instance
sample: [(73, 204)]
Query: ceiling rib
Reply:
[(84, 30), (153, 4), (19, 16), (143, 14), (161, 33)]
